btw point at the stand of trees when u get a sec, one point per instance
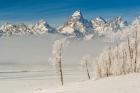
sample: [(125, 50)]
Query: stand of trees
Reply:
[(119, 59)]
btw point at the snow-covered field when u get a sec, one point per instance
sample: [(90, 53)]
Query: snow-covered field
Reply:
[(121, 84)]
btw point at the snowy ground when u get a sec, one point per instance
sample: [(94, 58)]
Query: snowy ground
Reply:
[(121, 84)]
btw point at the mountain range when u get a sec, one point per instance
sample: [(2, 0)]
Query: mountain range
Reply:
[(76, 25)]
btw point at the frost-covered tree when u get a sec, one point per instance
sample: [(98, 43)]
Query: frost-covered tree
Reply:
[(123, 57), (56, 58), (136, 49), (85, 62)]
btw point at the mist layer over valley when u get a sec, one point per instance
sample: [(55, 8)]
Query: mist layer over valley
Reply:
[(24, 57)]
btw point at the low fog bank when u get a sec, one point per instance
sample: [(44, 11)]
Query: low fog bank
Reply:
[(36, 50)]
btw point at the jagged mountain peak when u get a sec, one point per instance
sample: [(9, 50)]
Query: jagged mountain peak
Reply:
[(98, 22), (100, 19), (76, 17), (118, 22), (9, 29), (102, 26), (41, 22), (7, 24), (77, 13), (76, 23), (42, 27), (136, 21)]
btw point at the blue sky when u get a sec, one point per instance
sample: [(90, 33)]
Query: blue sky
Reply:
[(57, 11)]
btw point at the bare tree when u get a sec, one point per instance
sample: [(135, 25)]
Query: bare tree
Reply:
[(136, 50), (56, 58), (130, 50), (123, 57), (98, 70), (85, 64), (109, 63)]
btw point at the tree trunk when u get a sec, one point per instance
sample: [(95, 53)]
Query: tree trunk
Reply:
[(136, 45), (60, 66), (87, 70)]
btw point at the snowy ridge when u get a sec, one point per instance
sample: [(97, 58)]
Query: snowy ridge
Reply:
[(102, 26), (12, 29), (76, 26), (42, 27)]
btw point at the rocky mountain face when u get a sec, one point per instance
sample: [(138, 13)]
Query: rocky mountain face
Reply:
[(101, 26), (11, 29), (42, 27), (136, 21), (76, 26)]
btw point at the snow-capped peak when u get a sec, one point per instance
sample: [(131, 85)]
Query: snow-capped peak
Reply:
[(98, 22), (117, 23), (41, 22), (42, 27), (117, 20), (136, 21), (100, 19), (101, 26), (76, 24), (14, 29), (76, 16), (77, 13)]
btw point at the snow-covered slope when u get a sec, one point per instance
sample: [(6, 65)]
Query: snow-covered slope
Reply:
[(76, 25), (117, 23), (136, 21), (101, 26), (121, 84), (8, 29), (42, 27)]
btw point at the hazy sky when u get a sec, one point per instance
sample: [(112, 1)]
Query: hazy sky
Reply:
[(57, 11)]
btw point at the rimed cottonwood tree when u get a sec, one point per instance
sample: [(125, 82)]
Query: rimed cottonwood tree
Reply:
[(56, 58), (85, 62), (121, 58)]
